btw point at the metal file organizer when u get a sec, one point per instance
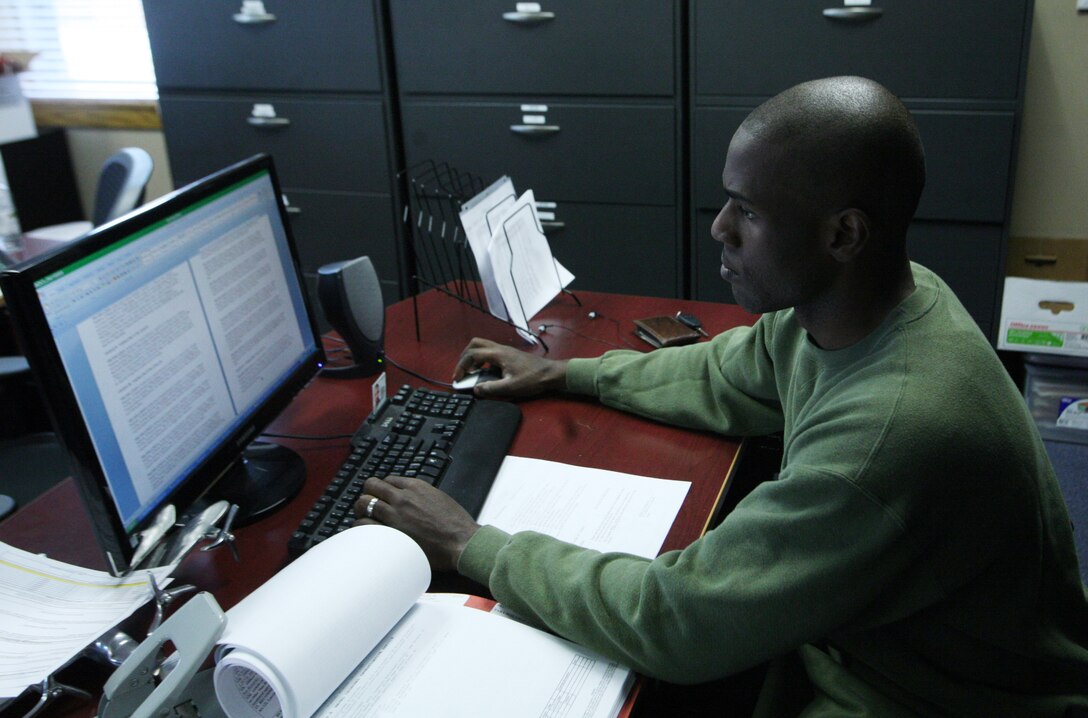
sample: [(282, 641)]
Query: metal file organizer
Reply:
[(437, 246)]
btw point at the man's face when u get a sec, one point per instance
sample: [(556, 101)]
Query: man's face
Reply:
[(769, 228)]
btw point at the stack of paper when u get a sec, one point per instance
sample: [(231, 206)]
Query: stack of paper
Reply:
[(517, 269), (50, 611)]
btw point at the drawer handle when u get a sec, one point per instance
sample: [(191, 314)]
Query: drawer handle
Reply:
[(528, 18), (534, 130), (268, 121), (294, 210), (853, 14), (1041, 260), (551, 227), (248, 18)]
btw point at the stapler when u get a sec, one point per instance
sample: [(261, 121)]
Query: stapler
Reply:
[(147, 686)]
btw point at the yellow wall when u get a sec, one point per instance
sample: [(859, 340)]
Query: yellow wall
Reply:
[(1050, 198)]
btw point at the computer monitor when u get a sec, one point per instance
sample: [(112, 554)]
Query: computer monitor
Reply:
[(164, 343)]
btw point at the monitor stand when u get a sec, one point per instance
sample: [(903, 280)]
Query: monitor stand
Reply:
[(267, 477)]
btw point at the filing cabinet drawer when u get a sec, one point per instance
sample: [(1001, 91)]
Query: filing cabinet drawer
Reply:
[(712, 129), (329, 144), (605, 47), (917, 48), (622, 249), (331, 227), (967, 160), (707, 282), (967, 257), (329, 45), (967, 164), (600, 153)]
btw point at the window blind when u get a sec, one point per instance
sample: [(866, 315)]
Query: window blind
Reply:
[(87, 49)]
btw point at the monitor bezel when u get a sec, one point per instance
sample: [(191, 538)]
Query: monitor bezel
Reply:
[(18, 285)]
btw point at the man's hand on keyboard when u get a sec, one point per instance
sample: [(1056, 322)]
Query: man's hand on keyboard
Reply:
[(434, 520), (523, 374)]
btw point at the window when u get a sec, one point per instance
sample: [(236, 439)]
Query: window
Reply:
[(88, 49)]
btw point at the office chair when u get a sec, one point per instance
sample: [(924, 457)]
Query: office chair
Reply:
[(121, 184)]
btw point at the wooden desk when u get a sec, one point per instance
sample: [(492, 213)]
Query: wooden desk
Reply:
[(570, 430)]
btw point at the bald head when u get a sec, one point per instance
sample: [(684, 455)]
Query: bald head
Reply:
[(850, 143)]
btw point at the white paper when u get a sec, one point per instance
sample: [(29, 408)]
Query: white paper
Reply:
[(594, 508), (479, 217), (527, 275), (50, 611), (441, 660), (304, 631)]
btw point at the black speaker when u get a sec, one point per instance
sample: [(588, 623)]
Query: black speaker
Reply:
[(351, 298)]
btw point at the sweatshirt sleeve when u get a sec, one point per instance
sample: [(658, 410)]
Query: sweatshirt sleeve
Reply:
[(726, 385), (770, 578)]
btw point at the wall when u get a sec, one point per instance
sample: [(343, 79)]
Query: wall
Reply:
[(1050, 198), (1051, 187)]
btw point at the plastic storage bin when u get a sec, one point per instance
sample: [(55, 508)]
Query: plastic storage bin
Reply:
[(1056, 391)]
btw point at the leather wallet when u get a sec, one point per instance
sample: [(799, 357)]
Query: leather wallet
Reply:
[(665, 331)]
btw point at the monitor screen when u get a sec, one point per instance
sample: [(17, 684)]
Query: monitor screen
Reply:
[(164, 342)]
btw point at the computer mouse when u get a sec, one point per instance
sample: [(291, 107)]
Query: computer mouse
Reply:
[(468, 381)]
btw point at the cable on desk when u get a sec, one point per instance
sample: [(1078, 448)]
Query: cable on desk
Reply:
[(594, 315), (383, 357), (417, 375)]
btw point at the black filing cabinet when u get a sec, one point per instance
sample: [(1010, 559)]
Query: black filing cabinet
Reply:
[(575, 100), (959, 67), (304, 82)]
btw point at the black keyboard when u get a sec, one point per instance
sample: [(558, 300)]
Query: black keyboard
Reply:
[(454, 441)]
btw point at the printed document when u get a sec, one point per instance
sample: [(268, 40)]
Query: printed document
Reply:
[(480, 216), (50, 611), (594, 508), (346, 631), (527, 275)]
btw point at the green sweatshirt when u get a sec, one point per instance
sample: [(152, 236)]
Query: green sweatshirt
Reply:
[(914, 553)]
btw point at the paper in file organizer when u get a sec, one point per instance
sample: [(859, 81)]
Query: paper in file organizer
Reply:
[(517, 269), (527, 274), (480, 216)]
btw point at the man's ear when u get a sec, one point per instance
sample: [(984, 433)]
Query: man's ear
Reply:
[(847, 234)]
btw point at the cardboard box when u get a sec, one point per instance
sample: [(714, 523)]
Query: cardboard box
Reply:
[(1044, 316), (1048, 258)]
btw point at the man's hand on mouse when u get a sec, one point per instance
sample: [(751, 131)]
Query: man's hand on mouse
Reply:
[(523, 374), (434, 520)]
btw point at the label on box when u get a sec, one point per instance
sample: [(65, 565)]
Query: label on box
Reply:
[(1025, 336), (1073, 412)]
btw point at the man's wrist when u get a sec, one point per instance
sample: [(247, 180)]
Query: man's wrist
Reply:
[(556, 380), (461, 541)]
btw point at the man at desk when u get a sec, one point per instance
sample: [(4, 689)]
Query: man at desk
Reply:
[(914, 555)]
